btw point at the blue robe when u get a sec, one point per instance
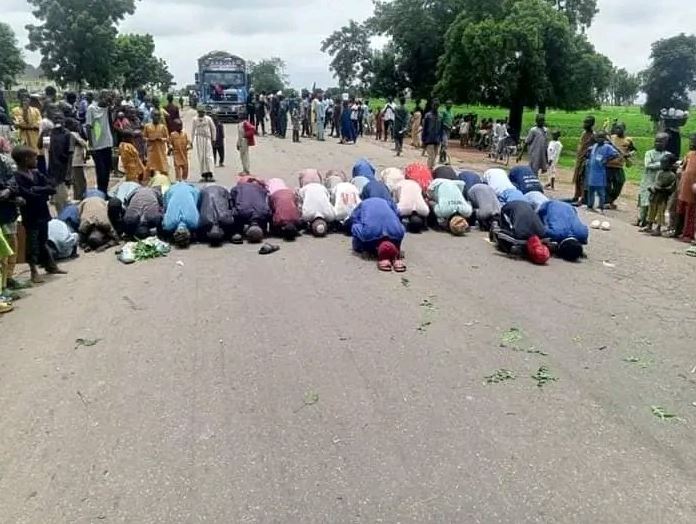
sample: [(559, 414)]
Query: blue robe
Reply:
[(470, 179), (524, 179), (374, 220), (376, 189), (181, 207), (347, 130), (561, 221), (71, 216)]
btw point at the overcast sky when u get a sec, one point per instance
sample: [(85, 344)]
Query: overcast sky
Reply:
[(293, 30)]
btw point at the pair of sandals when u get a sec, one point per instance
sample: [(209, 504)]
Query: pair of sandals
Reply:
[(387, 266)]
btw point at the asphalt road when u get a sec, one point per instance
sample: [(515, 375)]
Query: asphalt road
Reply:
[(308, 387)]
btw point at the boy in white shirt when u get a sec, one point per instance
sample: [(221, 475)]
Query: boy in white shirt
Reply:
[(554, 155)]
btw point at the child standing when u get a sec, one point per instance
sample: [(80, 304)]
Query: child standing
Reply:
[(600, 153), (660, 191), (554, 154), (653, 159), (296, 124), (180, 145), (130, 159), (79, 147), (35, 189), (245, 139)]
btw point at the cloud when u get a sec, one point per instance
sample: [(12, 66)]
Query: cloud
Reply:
[(624, 30), (294, 29)]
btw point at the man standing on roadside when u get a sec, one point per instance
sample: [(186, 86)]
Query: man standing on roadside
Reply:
[(447, 122), (172, 114), (388, 117), (432, 133), (101, 140), (586, 142), (321, 117), (203, 136), (615, 168), (261, 113), (27, 119), (400, 125), (537, 144)]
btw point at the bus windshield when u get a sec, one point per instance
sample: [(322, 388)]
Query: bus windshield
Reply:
[(226, 79)]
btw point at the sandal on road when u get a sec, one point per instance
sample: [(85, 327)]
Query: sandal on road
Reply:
[(384, 265), (399, 266), (5, 307)]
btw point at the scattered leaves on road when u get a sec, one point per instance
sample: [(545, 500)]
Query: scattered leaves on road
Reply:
[(640, 362), (87, 342), (311, 398), (511, 338), (424, 326), (543, 376), (428, 303), (405, 282), (500, 375), (663, 414)]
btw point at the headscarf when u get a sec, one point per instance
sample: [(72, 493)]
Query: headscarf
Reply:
[(420, 173), (363, 167)]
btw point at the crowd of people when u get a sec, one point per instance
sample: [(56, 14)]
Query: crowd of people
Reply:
[(52, 139)]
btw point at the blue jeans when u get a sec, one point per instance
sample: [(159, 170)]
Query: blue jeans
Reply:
[(599, 191)]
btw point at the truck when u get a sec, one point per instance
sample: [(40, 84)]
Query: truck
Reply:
[(223, 82)]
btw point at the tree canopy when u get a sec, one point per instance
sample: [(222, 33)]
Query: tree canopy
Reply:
[(671, 75), (527, 55), (623, 87), (350, 49), (382, 75), (268, 75), (11, 62), (135, 63), (77, 38)]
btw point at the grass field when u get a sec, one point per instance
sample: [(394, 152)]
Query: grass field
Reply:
[(638, 127)]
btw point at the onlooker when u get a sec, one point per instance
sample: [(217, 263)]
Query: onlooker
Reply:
[(432, 133), (35, 189), (101, 140)]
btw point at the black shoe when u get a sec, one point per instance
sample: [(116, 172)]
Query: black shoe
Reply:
[(268, 249)]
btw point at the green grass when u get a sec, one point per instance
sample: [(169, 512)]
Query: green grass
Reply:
[(569, 123)]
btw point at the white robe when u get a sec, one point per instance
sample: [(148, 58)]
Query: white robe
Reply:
[(203, 136), (316, 203)]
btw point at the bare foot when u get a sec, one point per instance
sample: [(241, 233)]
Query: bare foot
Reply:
[(37, 279)]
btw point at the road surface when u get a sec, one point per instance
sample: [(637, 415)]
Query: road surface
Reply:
[(307, 387)]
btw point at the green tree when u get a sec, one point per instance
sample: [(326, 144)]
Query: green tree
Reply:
[(528, 56), (580, 13), (382, 76), (77, 38), (11, 63), (623, 87), (417, 30), (268, 75), (350, 51), (162, 78), (135, 63), (671, 74)]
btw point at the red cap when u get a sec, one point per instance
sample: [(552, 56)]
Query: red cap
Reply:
[(387, 251), (537, 252)]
